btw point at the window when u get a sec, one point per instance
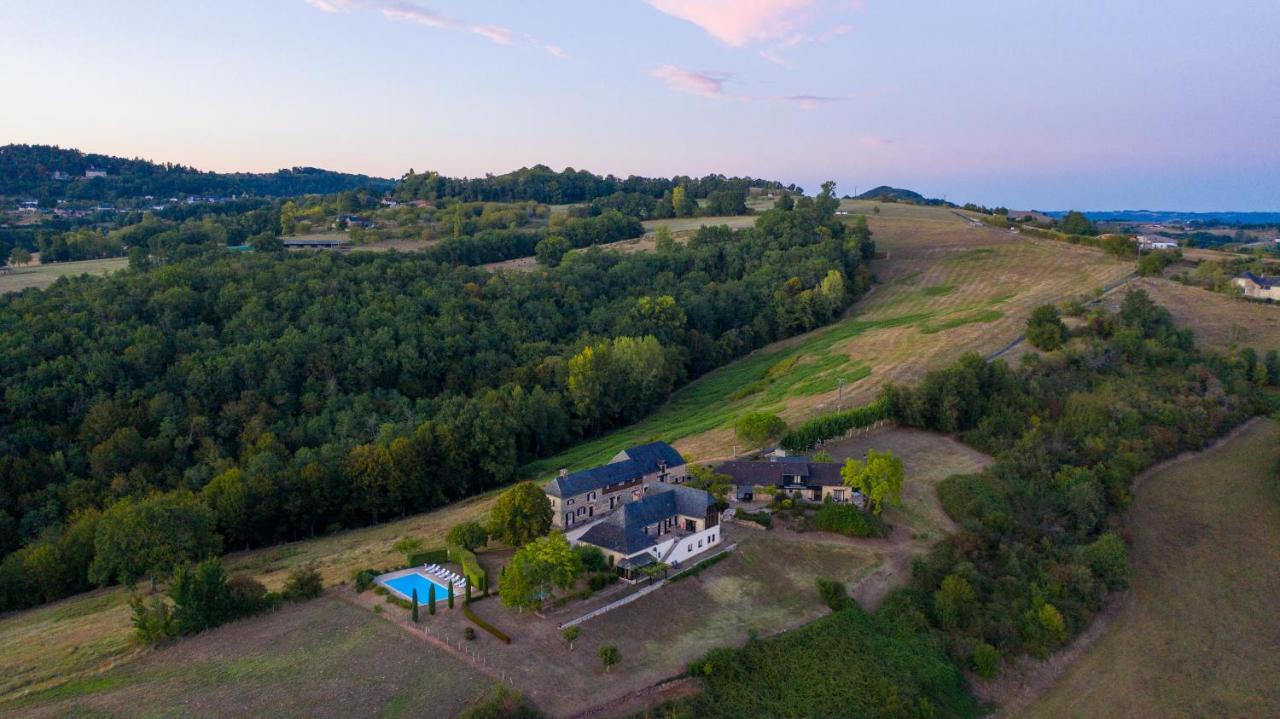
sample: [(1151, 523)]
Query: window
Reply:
[(582, 511), (591, 497), (569, 503), (689, 548), (568, 517), (699, 544)]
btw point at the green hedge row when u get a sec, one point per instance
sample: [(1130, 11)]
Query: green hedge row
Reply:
[(466, 611), (429, 556), (829, 426), (764, 519), (476, 575), (848, 520)]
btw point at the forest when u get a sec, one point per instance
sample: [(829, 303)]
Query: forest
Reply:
[(542, 184), (28, 170), (223, 400)]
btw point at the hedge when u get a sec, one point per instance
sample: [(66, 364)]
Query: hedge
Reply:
[(829, 426), (848, 520), (764, 519), (429, 556), (466, 611), (476, 576)]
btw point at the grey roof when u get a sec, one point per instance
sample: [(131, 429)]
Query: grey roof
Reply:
[(812, 474), (1262, 281), (623, 530), (627, 465)]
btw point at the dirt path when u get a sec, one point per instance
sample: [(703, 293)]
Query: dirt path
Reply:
[(1026, 680)]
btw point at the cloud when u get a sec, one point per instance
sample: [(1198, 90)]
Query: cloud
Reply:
[(408, 11), (706, 84), (772, 25), (809, 102), (738, 22)]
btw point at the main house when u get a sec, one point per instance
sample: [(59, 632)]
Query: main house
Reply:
[(582, 497), (796, 476), (667, 525)]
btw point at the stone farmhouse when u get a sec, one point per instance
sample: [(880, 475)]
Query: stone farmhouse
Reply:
[(668, 525), (1258, 287), (583, 497), (796, 476)]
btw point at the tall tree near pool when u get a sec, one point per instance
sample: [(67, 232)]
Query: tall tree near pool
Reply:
[(413, 611), (522, 514)]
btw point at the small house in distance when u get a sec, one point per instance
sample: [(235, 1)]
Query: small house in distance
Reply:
[(315, 244), (1258, 287), (578, 497), (1147, 243)]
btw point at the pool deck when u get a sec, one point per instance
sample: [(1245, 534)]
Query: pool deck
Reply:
[(382, 579)]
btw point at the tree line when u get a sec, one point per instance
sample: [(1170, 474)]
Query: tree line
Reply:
[(542, 184), (272, 397)]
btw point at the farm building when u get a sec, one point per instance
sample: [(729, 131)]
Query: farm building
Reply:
[(582, 496), (797, 476), (315, 244), (1258, 287), (1156, 242), (668, 525)]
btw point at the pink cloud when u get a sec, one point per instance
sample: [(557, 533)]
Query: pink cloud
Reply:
[(408, 11), (738, 22), (706, 84)]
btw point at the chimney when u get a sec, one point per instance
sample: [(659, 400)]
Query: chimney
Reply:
[(564, 472)]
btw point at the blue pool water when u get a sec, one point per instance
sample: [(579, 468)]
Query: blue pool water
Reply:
[(409, 582)]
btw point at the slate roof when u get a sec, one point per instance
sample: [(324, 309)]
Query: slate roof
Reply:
[(1265, 282), (627, 465), (623, 530), (812, 474)]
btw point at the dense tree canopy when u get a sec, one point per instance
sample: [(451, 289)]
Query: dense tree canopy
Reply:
[(294, 394)]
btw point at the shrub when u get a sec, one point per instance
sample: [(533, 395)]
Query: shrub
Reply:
[(764, 519), (503, 703), (592, 558), (304, 583), (469, 634), (153, 620), (1108, 558), (985, 660), (697, 568), (609, 656), (362, 579), (597, 582), (832, 594), (469, 535), (848, 520), (498, 633), (247, 594)]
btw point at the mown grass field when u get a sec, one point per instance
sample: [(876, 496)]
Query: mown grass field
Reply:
[(324, 658), (1220, 322), (1198, 635), (41, 276)]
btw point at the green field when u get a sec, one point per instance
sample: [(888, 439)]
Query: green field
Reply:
[(41, 276), (1197, 636), (324, 658)]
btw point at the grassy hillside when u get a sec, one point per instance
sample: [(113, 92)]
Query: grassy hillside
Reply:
[(947, 288), (1197, 635)]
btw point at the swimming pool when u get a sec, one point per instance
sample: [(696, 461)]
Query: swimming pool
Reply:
[(405, 584)]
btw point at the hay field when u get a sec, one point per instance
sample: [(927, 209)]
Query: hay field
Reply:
[(41, 276)]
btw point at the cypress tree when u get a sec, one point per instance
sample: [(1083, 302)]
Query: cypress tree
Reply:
[(451, 595), (431, 600), (467, 599), (414, 610)]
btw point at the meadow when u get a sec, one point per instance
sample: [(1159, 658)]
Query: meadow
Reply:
[(41, 276), (1196, 635)]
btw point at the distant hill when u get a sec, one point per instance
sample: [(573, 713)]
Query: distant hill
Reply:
[(1204, 218), (885, 193), (50, 172)]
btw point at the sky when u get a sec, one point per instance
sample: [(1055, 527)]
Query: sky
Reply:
[(1031, 104)]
